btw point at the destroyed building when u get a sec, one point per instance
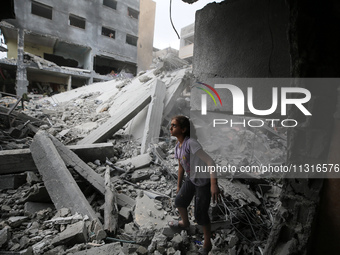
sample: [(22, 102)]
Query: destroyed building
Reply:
[(186, 47), (253, 218), (56, 46)]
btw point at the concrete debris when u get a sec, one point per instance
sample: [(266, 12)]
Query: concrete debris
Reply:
[(59, 182), (4, 236), (20, 160), (137, 162), (71, 185), (110, 206), (147, 217)]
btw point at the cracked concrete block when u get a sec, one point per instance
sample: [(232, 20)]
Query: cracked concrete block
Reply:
[(158, 243), (140, 175), (33, 207), (59, 182), (4, 236), (32, 178), (125, 200), (239, 191), (17, 221), (142, 250), (176, 241), (37, 193), (130, 228), (139, 161), (74, 233), (171, 251), (125, 212), (154, 116), (144, 78), (114, 249), (12, 181), (147, 216)]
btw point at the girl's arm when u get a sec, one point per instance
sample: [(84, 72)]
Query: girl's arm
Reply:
[(180, 176), (213, 178)]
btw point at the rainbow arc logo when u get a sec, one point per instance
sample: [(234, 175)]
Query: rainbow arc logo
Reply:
[(209, 93), (204, 97)]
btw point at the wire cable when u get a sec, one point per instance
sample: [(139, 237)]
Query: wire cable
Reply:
[(172, 22)]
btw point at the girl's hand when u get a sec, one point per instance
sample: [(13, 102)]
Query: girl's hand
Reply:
[(215, 191)]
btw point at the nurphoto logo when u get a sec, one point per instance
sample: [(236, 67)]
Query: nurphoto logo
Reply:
[(238, 104)]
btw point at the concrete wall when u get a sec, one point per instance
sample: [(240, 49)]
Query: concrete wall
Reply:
[(146, 33), (242, 41), (96, 16), (38, 50), (186, 32), (12, 46), (186, 51)]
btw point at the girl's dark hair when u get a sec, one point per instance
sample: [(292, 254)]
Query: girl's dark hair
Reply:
[(185, 122)]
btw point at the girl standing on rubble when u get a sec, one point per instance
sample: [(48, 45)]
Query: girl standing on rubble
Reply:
[(191, 157)]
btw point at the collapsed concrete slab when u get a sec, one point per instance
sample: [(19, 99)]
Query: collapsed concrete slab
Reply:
[(182, 80), (175, 82), (125, 109), (71, 159), (58, 180), (17, 161), (154, 116)]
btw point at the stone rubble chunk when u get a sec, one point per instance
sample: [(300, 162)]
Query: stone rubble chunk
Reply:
[(4, 236), (147, 216), (144, 78), (171, 251), (33, 207), (32, 178), (74, 233), (17, 221), (177, 241), (112, 249), (158, 242), (140, 175), (125, 212)]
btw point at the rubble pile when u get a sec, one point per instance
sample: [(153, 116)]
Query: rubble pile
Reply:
[(241, 221), (91, 176)]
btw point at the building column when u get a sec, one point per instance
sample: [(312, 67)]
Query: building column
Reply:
[(69, 83), (89, 62), (21, 79)]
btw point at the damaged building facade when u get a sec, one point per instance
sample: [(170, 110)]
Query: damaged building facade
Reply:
[(56, 46)]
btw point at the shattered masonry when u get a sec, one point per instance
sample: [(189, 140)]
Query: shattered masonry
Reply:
[(39, 212)]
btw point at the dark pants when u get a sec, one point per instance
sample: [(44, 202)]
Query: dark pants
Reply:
[(202, 200)]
